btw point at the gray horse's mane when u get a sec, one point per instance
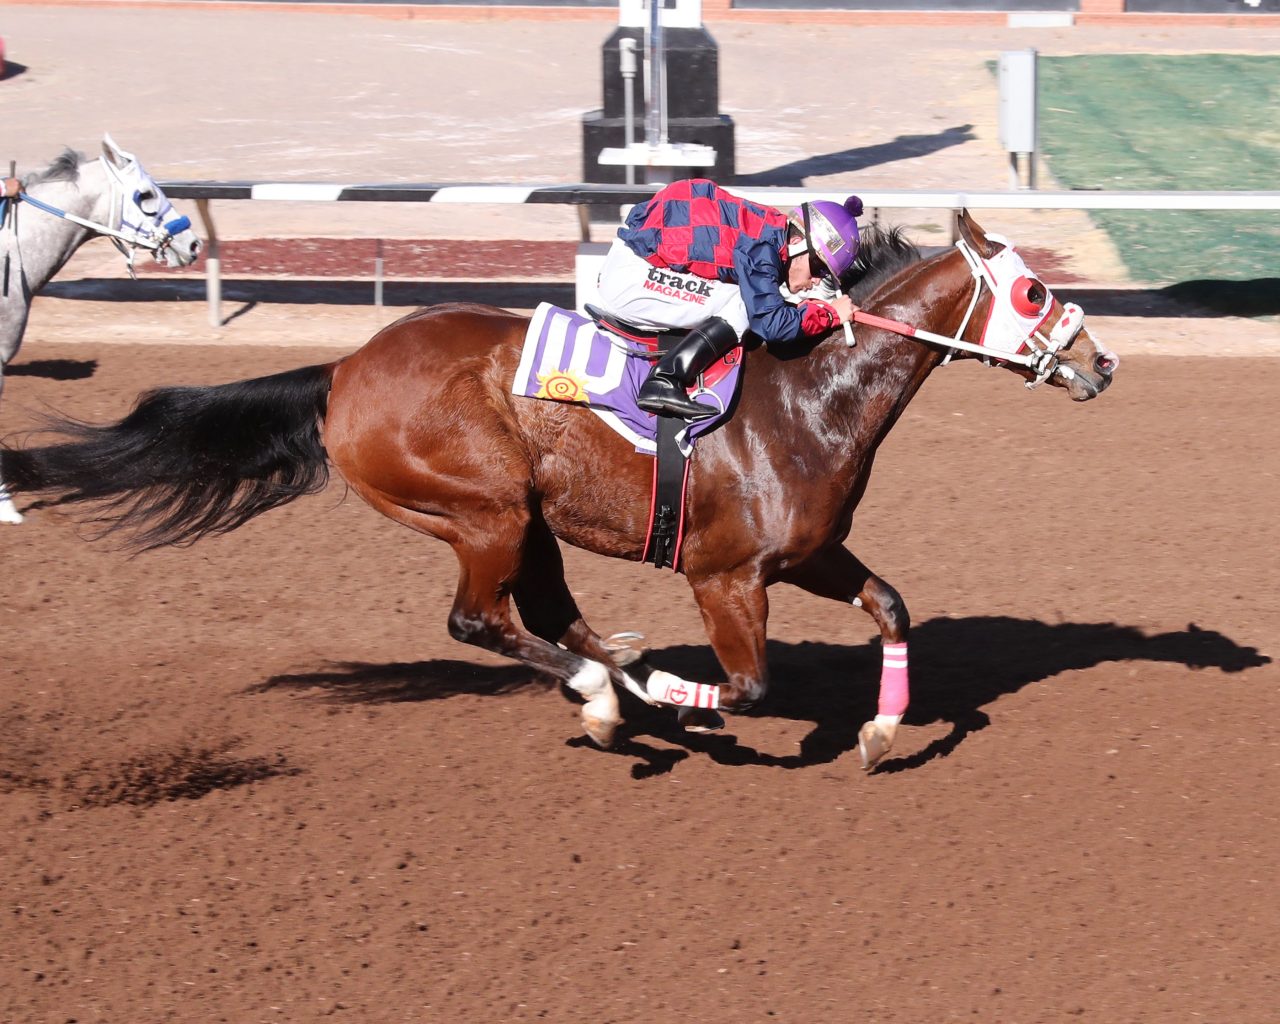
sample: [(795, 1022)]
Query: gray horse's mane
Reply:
[(65, 168)]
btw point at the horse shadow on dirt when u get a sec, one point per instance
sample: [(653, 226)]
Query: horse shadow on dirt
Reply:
[(904, 147), (959, 665), (1186, 300), (54, 369)]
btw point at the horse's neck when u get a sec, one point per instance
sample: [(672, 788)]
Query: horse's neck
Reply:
[(867, 388), (36, 244), (45, 241), (870, 387)]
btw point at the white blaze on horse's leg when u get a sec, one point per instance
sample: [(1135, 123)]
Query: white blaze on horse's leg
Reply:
[(601, 714), (8, 510), (671, 689), (636, 687), (590, 680)]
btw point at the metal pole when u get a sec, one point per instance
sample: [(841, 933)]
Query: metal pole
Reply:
[(627, 65), (1035, 117), (212, 265), (654, 119)]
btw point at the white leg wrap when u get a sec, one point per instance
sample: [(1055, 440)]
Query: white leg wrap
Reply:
[(671, 689)]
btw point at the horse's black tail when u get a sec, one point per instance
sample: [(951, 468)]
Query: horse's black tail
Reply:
[(187, 461)]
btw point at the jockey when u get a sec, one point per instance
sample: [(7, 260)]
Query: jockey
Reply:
[(699, 257)]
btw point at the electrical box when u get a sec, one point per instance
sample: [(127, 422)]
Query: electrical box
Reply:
[(1018, 101)]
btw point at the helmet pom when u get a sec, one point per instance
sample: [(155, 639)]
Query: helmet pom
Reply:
[(853, 205)]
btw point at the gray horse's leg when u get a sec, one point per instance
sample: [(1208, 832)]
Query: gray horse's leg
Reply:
[(8, 510), (15, 310)]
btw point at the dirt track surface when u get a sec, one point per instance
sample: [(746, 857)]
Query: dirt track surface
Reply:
[(256, 781)]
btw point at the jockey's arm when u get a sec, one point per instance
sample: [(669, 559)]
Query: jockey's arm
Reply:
[(770, 316)]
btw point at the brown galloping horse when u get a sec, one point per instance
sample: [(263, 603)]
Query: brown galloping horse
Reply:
[(421, 423)]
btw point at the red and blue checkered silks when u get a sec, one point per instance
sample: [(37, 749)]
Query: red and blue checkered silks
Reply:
[(696, 227)]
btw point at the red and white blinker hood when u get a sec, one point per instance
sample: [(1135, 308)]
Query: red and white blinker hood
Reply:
[(1013, 318)]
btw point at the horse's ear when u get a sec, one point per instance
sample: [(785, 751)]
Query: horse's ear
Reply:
[(975, 237), (114, 153)]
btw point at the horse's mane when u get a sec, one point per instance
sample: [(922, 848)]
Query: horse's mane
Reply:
[(65, 168), (882, 252)]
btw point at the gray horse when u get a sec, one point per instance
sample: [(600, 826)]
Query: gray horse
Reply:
[(47, 216)]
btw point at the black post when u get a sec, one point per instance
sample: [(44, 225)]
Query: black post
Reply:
[(692, 103)]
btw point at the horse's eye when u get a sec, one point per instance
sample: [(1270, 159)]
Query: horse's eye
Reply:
[(148, 202), (1028, 296)]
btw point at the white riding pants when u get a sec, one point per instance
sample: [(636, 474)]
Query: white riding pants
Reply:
[(648, 296)]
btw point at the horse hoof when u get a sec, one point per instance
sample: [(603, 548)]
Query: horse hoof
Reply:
[(600, 717), (9, 514), (873, 744), (700, 720), (600, 731), (626, 649)]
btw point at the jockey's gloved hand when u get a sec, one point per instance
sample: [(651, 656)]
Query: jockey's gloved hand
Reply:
[(818, 317)]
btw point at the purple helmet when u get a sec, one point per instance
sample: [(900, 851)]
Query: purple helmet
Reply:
[(828, 231)]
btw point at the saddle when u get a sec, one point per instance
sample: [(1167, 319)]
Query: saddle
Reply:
[(658, 340), (651, 338), (600, 362)]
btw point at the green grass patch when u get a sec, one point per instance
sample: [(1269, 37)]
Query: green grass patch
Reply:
[(1201, 122)]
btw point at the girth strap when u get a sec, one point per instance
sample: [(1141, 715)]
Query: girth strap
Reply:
[(670, 476)]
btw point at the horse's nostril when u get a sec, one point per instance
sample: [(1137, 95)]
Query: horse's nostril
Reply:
[(1105, 364)]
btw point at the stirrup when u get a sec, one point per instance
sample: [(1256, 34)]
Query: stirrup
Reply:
[(672, 400)]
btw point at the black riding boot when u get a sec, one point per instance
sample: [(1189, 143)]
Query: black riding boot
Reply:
[(666, 391)]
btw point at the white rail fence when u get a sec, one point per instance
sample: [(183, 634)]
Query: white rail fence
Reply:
[(585, 196)]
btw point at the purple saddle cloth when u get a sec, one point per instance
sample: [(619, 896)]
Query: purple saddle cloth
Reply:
[(567, 357)]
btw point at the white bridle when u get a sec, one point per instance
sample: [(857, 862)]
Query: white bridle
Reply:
[(140, 223), (1009, 335), (135, 222)]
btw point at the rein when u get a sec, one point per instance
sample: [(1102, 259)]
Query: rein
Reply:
[(1042, 360)]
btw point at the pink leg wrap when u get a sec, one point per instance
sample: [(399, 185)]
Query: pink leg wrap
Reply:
[(894, 691)]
